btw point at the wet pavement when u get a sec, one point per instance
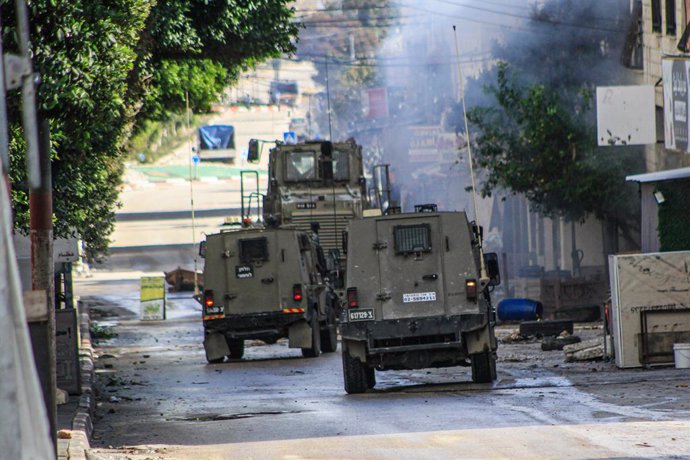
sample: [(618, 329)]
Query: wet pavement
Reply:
[(156, 389)]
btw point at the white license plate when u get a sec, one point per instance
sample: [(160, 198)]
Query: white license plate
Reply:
[(419, 297), (360, 314)]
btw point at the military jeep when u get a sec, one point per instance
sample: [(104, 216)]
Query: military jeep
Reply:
[(417, 296), (265, 284)]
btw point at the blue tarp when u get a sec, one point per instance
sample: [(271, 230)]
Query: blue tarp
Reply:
[(215, 137)]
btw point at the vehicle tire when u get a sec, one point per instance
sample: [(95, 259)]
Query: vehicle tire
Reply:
[(354, 374), (371, 377), (329, 335), (315, 349), (236, 347), (215, 361), (483, 367), (546, 328)]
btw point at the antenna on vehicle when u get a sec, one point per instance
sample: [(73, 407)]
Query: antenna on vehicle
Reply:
[(191, 198), (484, 277), (328, 100)]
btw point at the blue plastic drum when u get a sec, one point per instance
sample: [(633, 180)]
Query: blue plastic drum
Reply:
[(519, 310)]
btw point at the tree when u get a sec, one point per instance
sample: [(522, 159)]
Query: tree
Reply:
[(535, 134), (84, 52), (99, 60), (199, 47), (538, 144)]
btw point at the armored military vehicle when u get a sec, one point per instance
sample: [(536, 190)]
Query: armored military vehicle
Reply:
[(417, 296), (316, 181), (265, 284)]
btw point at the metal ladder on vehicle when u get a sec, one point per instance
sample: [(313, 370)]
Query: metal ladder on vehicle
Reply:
[(249, 197)]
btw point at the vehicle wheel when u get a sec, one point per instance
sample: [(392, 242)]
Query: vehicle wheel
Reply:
[(315, 349), (215, 361), (483, 367), (546, 328), (329, 335), (371, 377), (236, 347), (355, 374)]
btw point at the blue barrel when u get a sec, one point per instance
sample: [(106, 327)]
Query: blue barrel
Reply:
[(519, 310)]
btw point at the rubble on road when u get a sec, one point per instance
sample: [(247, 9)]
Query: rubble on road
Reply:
[(513, 337), (558, 343), (588, 350)]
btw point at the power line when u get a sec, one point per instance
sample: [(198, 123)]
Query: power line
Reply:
[(336, 22)]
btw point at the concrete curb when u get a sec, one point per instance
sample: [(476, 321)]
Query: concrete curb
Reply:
[(82, 423)]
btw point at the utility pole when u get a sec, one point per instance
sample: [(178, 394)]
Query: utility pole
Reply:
[(17, 72), (42, 276), (41, 220)]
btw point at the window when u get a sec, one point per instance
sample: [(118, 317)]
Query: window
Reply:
[(412, 238), (656, 16), (253, 250), (341, 165), (300, 166), (670, 17)]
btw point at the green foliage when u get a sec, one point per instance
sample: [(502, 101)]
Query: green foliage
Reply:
[(101, 62), (538, 144), (157, 138), (674, 219), (84, 52), (202, 80), (100, 333), (533, 116), (232, 32)]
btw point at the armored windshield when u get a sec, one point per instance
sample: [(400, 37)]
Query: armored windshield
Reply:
[(341, 165), (253, 249), (300, 166)]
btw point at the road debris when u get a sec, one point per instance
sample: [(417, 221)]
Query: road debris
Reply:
[(588, 350)]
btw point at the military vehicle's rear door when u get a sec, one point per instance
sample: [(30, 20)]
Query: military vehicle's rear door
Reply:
[(254, 275), (410, 267)]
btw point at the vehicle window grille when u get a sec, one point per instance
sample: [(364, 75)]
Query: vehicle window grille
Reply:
[(410, 239), (253, 249)]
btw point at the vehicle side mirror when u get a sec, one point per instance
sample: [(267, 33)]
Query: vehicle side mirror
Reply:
[(202, 249), (253, 153), (491, 260)]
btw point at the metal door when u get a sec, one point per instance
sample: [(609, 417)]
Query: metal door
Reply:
[(410, 267)]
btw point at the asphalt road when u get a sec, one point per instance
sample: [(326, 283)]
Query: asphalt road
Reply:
[(159, 399)]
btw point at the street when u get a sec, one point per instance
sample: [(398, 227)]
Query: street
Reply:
[(159, 399)]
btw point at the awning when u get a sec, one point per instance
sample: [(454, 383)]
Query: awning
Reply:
[(660, 176)]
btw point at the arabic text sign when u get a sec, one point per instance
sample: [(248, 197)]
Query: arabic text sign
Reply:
[(674, 72), (152, 297)]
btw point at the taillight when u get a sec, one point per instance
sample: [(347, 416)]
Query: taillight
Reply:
[(471, 289), (352, 300), (208, 299), (297, 292)]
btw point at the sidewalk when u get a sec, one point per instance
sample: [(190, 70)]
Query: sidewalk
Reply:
[(74, 419)]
